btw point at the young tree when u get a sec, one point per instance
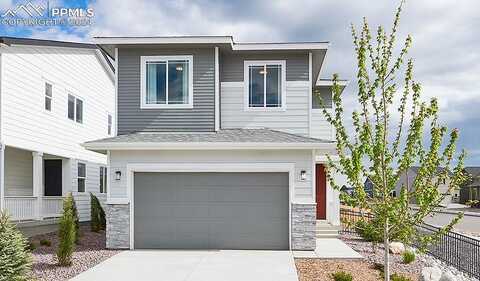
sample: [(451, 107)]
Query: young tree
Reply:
[(383, 150), (66, 233), (15, 259)]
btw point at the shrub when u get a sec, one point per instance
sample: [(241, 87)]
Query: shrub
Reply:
[(31, 246), (399, 277), (15, 258), (66, 234), (45, 242), (97, 221), (473, 203), (69, 203), (408, 257), (342, 276), (369, 231)]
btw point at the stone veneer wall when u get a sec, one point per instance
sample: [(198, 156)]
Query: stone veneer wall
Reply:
[(118, 226), (303, 226)]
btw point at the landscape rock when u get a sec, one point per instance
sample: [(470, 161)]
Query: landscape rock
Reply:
[(431, 274), (448, 276), (397, 248)]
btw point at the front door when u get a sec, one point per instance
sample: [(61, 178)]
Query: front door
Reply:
[(53, 177), (321, 192)]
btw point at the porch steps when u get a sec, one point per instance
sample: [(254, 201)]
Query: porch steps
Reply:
[(326, 230)]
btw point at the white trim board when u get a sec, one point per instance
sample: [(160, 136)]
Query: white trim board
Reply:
[(208, 167)]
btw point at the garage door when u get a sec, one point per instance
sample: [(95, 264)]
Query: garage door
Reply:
[(211, 211)]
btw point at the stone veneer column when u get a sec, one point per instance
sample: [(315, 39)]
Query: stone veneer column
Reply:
[(303, 226), (118, 226)]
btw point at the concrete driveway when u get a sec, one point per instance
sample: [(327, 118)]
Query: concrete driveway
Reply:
[(213, 265)]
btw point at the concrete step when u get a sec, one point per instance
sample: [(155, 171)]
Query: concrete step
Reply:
[(326, 230)]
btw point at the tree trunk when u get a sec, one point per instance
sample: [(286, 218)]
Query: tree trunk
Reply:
[(386, 245)]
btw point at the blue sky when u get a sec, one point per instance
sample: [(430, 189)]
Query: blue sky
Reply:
[(446, 41)]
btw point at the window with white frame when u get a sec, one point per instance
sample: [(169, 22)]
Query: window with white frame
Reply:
[(81, 174), (103, 179), (75, 109), (264, 84), (48, 96), (109, 124), (167, 81)]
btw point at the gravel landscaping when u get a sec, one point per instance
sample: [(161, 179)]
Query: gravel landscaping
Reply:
[(90, 252)]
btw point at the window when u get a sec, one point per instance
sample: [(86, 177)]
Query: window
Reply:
[(167, 81), (75, 109), (48, 96), (265, 85), (81, 167), (109, 124), (103, 179)]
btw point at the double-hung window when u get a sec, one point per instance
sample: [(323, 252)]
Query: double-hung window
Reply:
[(109, 124), (167, 81), (48, 96), (75, 109), (81, 174), (264, 85)]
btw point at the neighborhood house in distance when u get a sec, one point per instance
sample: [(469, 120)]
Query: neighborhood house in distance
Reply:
[(469, 191), (54, 96)]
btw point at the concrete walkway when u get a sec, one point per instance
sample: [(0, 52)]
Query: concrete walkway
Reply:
[(329, 248), (173, 265)]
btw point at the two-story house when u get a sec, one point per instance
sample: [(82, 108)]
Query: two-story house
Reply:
[(54, 96), (219, 144)]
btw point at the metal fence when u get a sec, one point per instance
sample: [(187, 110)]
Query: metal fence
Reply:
[(457, 250)]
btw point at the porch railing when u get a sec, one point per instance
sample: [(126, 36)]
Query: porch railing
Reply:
[(30, 208)]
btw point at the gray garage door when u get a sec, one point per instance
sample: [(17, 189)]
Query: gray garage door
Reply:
[(211, 210)]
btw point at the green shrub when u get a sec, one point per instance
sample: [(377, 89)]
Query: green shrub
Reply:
[(408, 257), (31, 247), (70, 204), (15, 259), (399, 277), (342, 276), (66, 233), (369, 231), (97, 220), (45, 242)]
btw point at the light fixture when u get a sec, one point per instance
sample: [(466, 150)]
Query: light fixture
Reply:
[(118, 175), (179, 68), (303, 175)]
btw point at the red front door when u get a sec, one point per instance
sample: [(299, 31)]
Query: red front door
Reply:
[(321, 191)]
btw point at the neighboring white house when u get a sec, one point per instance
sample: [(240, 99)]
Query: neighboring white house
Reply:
[(54, 96), (219, 145)]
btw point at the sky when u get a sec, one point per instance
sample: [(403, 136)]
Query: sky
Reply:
[(446, 38)]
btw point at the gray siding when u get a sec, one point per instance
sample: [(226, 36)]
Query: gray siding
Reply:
[(232, 64), (131, 118)]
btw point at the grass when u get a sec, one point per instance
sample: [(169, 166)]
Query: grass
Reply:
[(46, 242), (408, 257)]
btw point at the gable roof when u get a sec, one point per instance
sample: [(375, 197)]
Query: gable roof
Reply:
[(103, 56), (222, 139)]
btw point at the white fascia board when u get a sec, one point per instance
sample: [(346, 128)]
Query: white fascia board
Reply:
[(280, 46), (164, 40), (343, 83), (205, 146)]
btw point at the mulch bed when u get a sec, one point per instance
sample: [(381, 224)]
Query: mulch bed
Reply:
[(361, 270), (90, 252)]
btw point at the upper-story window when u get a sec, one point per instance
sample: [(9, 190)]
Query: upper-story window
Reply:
[(167, 81), (48, 96), (264, 85), (109, 124), (75, 109)]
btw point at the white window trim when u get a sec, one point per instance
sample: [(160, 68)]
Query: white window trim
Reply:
[(45, 81), (75, 108), (84, 177), (246, 79), (143, 84)]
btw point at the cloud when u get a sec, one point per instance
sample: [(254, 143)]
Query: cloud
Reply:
[(445, 48)]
